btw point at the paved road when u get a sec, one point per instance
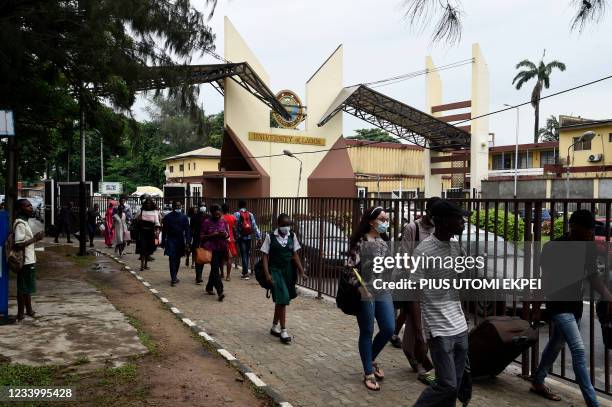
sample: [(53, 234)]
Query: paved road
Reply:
[(321, 366)]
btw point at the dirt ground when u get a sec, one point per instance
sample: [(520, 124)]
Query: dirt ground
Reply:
[(178, 370)]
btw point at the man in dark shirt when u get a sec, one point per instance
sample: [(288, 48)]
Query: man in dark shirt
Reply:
[(566, 262), (176, 238)]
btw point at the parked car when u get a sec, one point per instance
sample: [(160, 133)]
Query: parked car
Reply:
[(544, 217), (334, 241)]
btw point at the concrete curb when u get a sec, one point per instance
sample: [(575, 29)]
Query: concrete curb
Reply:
[(244, 370)]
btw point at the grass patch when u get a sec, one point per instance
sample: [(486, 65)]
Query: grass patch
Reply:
[(82, 261), (23, 375), (144, 337), (119, 375), (82, 360)]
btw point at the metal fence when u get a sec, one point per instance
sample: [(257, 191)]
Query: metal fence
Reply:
[(323, 227)]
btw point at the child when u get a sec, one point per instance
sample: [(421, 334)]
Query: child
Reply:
[(280, 259)]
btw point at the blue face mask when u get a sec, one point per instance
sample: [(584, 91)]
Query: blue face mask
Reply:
[(283, 230), (382, 227)]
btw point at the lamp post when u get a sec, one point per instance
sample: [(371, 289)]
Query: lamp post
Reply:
[(516, 144), (290, 154), (588, 136), (222, 169)]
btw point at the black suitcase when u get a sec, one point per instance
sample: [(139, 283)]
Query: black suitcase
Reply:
[(496, 342)]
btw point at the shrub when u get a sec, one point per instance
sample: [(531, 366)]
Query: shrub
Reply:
[(498, 228)]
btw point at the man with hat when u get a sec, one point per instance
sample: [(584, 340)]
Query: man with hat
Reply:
[(443, 319)]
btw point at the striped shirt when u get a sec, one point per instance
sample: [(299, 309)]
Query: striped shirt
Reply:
[(440, 308)]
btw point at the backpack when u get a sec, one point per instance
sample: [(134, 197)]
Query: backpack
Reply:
[(260, 276), (351, 291), (14, 256), (246, 226)]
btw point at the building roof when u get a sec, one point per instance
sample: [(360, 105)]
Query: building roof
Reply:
[(524, 147), (570, 124), (383, 144), (206, 152), (397, 118)]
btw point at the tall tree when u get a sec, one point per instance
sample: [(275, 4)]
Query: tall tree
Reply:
[(541, 73), (56, 55), (447, 15), (551, 131), (374, 134)]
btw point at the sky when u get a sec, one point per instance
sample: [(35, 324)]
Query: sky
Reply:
[(292, 39)]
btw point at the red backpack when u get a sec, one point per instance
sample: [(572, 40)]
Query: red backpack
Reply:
[(246, 227)]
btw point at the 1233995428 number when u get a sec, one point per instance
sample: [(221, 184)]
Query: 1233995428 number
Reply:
[(30, 393)]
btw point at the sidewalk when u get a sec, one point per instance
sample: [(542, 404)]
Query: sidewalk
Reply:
[(322, 365)]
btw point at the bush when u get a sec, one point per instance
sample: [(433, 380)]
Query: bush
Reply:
[(498, 228)]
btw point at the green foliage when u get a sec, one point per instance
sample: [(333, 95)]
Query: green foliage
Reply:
[(375, 134), (23, 375), (551, 131), (498, 227)]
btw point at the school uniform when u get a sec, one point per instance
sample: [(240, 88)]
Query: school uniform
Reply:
[(280, 250)]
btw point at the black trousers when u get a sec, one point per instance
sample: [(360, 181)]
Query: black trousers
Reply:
[(214, 279), (62, 227), (175, 264)]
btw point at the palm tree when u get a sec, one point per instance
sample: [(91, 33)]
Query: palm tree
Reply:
[(551, 131), (541, 73)]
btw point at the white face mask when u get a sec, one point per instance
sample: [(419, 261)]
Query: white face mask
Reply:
[(283, 230), (202, 209)]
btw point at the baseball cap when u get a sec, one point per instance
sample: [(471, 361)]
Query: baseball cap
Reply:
[(447, 208)]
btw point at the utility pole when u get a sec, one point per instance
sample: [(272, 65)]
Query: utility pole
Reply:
[(82, 200), (101, 158), (11, 178)]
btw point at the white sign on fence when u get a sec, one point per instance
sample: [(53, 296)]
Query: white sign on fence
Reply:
[(110, 188), (6, 123)]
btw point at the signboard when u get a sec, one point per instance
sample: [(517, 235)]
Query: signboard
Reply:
[(7, 127), (110, 188), (278, 138)]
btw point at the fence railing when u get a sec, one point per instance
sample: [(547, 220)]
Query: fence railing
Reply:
[(324, 225)]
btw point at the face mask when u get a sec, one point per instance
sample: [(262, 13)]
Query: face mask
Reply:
[(178, 210), (284, 230), (382, 227), (202, 209)]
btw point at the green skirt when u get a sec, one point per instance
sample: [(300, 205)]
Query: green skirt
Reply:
[(284, 285), (26, 279)]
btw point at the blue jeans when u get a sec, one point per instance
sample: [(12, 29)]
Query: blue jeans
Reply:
[(244, 246), (449, 356), (565, 330), (382, 310), (175, 264)]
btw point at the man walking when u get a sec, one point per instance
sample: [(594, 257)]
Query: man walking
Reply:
[(445, 325), (65, 220), (176, 237), (24, 240), (566, 262), (244, 229)]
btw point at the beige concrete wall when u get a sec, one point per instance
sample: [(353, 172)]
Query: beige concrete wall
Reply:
[(375, 160), (433, 92), (244, 114), (479, 146)]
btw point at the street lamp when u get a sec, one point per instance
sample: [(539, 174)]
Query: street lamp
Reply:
[(586, 137), (290, 154), (516, 144)]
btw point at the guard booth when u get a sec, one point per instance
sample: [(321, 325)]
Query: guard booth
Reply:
[(58, 194)]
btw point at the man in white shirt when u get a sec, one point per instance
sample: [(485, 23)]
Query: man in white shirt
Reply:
[(24, 240)]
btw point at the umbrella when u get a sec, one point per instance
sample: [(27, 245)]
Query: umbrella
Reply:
[(152, 191)]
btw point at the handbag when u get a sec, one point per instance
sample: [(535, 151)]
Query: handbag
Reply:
[(202, 256), (127, 236), (351, 291), (15, 256)]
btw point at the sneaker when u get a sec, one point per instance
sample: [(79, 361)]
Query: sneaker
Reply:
[(396, 341), (275, 330), (244, 277), (284, 336), (199, 282)]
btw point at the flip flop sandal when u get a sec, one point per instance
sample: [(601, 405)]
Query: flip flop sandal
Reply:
[(378, 372), (370, 383), (546, 393), (427, 378)]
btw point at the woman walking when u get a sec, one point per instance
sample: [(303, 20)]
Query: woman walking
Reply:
[(109, 232), (232, 250), (280, 259), (148, 225), (371, 237), (213, 237), (120, 227), (196, 225)]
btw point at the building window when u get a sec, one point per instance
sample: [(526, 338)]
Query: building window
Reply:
[(194, 167), (610, 137), (547, 157), (188, 166), (196, 192), (181, 167), (584, 145), (525, 160), (172, 168), (503, 161), (362, 192)]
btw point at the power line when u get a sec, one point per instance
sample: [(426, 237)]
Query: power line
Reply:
[(366, 144)]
